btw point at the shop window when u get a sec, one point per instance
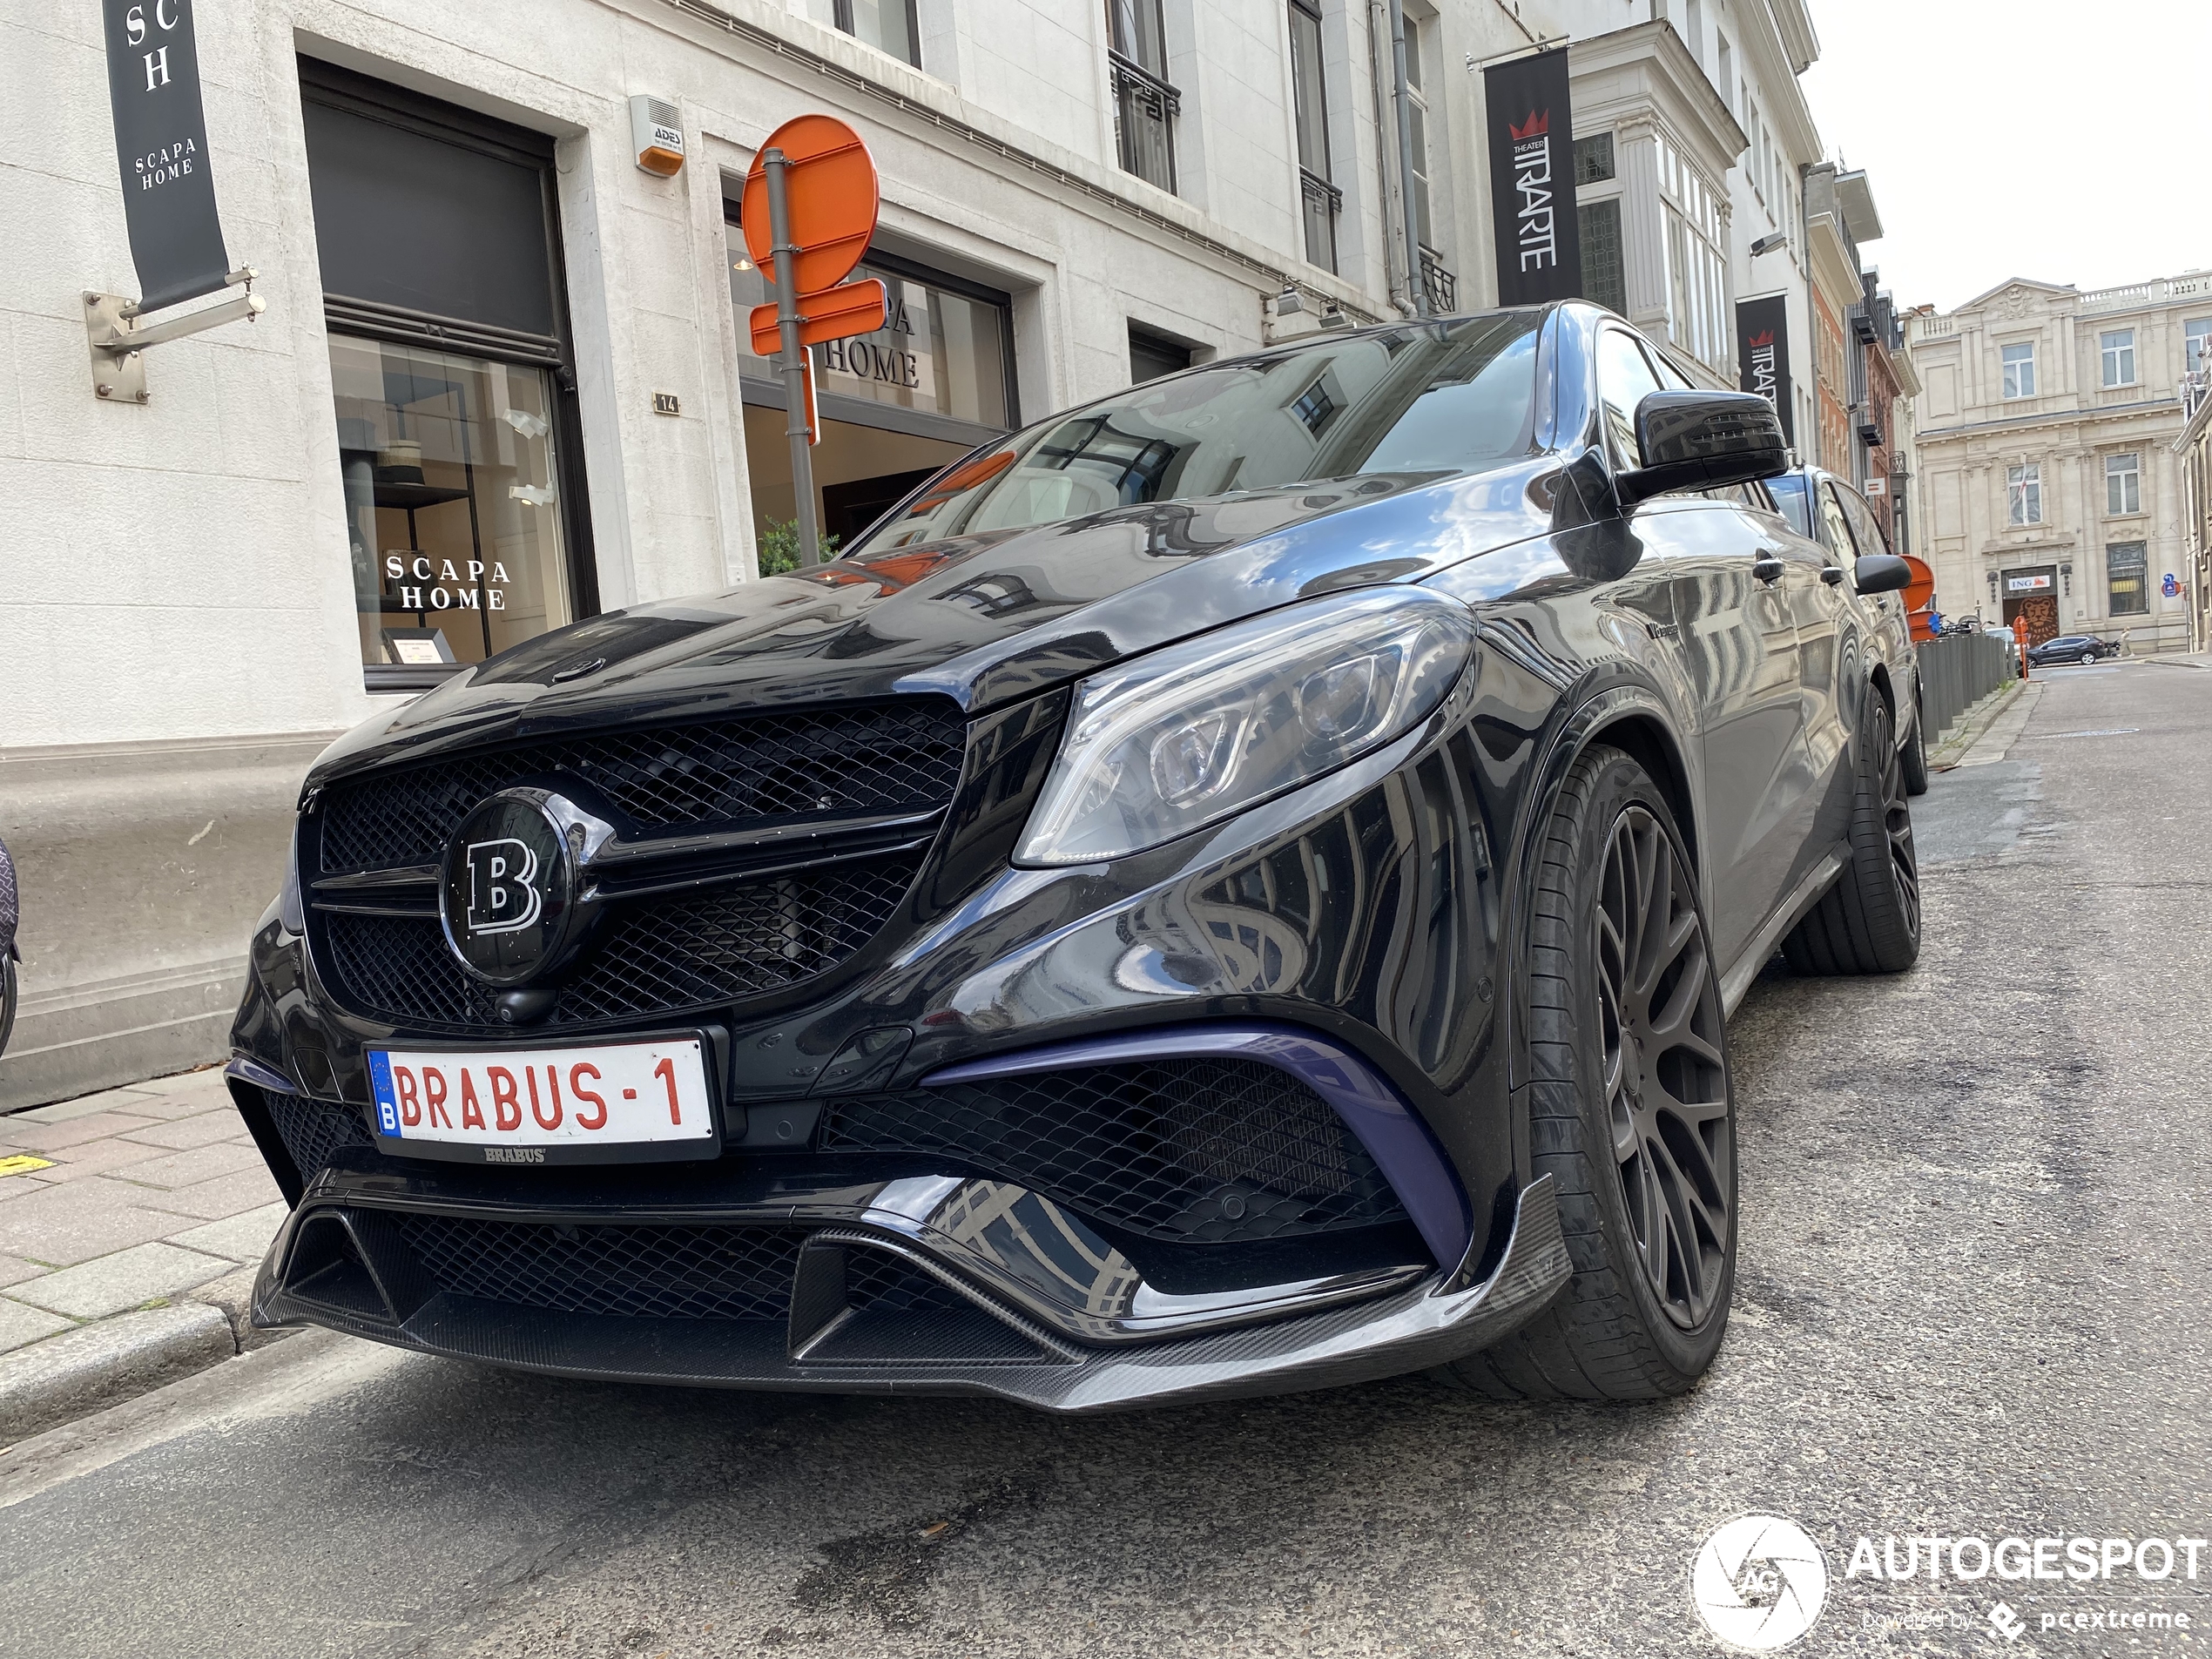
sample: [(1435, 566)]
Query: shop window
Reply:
[(452, 376), (2127, 579), (887, 25), (452, 503)]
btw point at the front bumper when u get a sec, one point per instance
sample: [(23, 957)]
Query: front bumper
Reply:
[(1029, 1303)]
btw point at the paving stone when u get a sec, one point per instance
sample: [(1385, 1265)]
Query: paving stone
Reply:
[(20, 1324), (73, 1222), (226, 1195), (187, 1132), (68, 1111), (243, 1238), (14, 1270), (192, 1102), (115, 1283), (48, 1137), (188, 1168), (94, 1157)]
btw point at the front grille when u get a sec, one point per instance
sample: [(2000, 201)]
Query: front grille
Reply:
[(1212, 1150), (652, 956), (312, 1129), (881, 759), (636, 1272)]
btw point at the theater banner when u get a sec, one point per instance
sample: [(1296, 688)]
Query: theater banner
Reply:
[(1763, 352), (1531, 127)]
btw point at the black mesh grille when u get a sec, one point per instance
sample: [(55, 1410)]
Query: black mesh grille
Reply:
[(311, 1130), (865, 760), (653, 956), (1218, 1150), (636, 1272), (876, 1279)]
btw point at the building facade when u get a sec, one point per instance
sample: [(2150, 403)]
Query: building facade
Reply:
[(2048, 474), (2194, 450)]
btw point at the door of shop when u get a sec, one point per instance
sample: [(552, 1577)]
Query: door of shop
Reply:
[(2032, 594), (935, 382)]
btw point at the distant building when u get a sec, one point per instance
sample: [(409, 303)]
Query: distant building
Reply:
[(2046, 455), (2194, 447)]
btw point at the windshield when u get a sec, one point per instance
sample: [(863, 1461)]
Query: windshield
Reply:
[(1438, 398), (1789, 495)]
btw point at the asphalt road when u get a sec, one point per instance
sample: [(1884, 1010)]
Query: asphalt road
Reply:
[(1973, 1303)]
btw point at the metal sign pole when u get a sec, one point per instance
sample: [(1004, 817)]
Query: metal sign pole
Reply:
[(791, 356)]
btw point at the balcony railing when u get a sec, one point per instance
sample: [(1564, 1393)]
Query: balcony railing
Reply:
[(1144, 110), (1439, 285), (1320, 202)]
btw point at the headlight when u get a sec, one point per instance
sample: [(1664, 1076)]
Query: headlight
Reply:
[(1189, 735), (292, 905)]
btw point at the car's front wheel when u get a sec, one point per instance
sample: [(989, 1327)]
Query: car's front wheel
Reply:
[(1630, 1108), (1913, 758)]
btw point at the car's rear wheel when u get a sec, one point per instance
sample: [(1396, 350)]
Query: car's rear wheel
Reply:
[(1912, 759), (1630, 1109), (1869, 922), (2087, 658)]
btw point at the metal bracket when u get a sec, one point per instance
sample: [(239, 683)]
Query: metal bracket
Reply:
[(118, 341)]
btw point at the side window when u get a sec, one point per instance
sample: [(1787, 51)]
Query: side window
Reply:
[(1832, 515), (1624, 380), (1864, 522)]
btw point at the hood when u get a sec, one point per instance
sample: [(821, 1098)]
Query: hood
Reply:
[(982, 619)]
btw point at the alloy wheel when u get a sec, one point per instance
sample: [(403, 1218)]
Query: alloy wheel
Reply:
[(1665, 1067), (1896, 823)]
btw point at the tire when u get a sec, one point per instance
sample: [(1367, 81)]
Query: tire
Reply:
[(8, 987), (1869, 921), (1631, 1108), (2085, 658), (1913, 758)]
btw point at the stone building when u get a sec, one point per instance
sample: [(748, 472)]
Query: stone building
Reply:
[(2045, 461), (2194, 449)]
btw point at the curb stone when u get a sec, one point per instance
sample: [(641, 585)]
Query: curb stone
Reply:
[(95, 1365)]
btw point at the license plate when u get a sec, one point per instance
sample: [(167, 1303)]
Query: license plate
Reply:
[(575, 1104)]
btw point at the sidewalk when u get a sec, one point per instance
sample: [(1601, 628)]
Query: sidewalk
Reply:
[(131, 1225)]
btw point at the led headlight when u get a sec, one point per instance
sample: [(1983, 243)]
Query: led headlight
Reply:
[(1188, 735)]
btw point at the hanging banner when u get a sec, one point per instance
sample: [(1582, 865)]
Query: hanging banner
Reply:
[(1531, 127), (161, 143), (1763, 351)]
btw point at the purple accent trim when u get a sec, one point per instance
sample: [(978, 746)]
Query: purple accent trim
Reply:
[(247, 1068), (1392, 1132)]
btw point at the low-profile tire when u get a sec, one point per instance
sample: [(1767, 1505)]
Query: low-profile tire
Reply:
[(1869, 921), (1912, 758), (1630, 1106), (9, 986), (2087, 658)]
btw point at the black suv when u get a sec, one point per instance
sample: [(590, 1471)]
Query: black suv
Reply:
[(1236, 887)]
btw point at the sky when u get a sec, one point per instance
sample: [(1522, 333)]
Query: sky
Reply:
[(2067, 142)]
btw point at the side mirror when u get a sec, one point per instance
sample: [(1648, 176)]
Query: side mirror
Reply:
[(1881, 573), (1703, 440)]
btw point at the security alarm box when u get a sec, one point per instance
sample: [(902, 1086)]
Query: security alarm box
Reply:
[(656, 135)]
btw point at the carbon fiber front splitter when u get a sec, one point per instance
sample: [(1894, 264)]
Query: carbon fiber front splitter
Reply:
[(1019, 1330)]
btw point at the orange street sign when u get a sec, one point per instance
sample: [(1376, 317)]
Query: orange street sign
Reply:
[(832, 201), (851, 308)]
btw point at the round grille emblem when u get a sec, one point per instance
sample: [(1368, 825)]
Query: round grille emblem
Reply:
[(507, 892)]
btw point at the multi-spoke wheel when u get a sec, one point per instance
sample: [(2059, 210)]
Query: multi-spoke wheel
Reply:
[(1629, 1107), (1869, 922)]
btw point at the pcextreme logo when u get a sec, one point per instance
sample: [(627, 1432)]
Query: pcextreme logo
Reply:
[(1759, 1582)]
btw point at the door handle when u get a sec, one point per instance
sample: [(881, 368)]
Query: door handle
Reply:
[(1832, 575), (1766, 569)]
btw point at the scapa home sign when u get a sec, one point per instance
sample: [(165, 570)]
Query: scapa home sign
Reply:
[(161, 146)]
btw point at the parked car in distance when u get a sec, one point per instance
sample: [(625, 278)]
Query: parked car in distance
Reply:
[(2069, 648), (1829, 510), (1236, 887)]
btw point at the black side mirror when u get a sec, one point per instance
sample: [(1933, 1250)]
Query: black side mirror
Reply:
[(1703, 440), (1881, 573)]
